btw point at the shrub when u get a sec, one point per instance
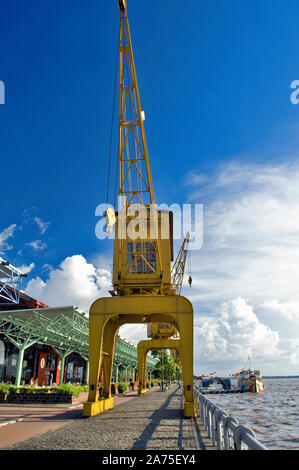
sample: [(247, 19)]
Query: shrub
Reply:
[(122, 387), (44, 390), (152, 384), (148, 384), (5, 388), (24, 390), (65, 389)]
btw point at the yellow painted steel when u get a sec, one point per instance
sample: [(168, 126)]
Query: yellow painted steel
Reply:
[(137, 265), (142, 290), (143, 348), (156, 330), (178, 268), (108, 314), (176, 354), (161, 330)]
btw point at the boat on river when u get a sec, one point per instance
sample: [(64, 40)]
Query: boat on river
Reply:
[(250, 381)]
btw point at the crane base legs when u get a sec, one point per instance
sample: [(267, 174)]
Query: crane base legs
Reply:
[(108, 314), (92, 408), (143, 348)]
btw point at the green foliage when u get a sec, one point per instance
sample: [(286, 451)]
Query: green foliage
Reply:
[(122, 387), (24, 390), (152, 384), (167, 367), (65, 389), (4, 388), (68, 389)]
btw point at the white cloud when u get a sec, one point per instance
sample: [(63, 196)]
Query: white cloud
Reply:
[(75, 282), (43, 226), (133, 333), (250, 251), (294, 349), (289, 310), (26, 269), (251, 234), (37, 245), (4, 236), (225, 340)]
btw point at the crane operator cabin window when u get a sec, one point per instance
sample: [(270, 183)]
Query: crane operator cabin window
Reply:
[(141, 257)]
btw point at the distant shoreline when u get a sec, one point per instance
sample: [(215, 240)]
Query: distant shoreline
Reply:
[(280, 376)]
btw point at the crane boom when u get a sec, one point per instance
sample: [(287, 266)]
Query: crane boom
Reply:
[(135, 181), (142, 255), (178, 268)]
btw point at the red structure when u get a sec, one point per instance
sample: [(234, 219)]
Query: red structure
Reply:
[(42, 364), (25, 301)]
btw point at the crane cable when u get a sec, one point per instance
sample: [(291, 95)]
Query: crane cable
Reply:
[(189, 268), (111, 129)]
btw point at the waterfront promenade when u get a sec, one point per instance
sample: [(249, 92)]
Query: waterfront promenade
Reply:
[(152, 422)]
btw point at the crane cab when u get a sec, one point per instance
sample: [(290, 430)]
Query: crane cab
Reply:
[(161, 331), (143, 251)]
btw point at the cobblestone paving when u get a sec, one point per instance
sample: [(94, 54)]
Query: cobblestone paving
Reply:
[(154, 421)]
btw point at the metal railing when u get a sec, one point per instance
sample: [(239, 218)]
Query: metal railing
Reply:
[(225, 431)]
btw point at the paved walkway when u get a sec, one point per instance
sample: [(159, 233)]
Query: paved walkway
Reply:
[(154, 421), (20, 422)]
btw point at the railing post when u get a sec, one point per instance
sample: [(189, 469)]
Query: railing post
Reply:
[(227, 424), (220, 415), (223, 429), (238, 432), (209, 420), (213, 423)]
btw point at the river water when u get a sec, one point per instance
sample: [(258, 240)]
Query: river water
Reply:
[(273, 415)]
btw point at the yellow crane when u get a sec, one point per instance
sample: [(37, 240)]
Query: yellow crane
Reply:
[(178, 268), (141, 260), (165, 331), (143, 247)]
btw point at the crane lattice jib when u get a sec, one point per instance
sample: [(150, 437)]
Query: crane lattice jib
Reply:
[(135, 181), (141, 258), (178, 268)]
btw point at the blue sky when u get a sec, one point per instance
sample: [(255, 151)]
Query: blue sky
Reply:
[(214, 79)]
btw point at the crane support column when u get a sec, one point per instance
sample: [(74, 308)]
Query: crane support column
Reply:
[(143, 348), (108, 314)]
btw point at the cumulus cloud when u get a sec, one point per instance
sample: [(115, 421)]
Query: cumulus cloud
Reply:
[(288, 310), (133, 333), (233, 334), (76, 282), (26, 269), (250, 251), (4, 236), (251, 233)]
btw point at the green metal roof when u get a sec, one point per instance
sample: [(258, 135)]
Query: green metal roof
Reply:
[(63, 328)]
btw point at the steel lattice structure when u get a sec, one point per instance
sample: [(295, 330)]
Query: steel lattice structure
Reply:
[(66, 329), (10, 280)]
